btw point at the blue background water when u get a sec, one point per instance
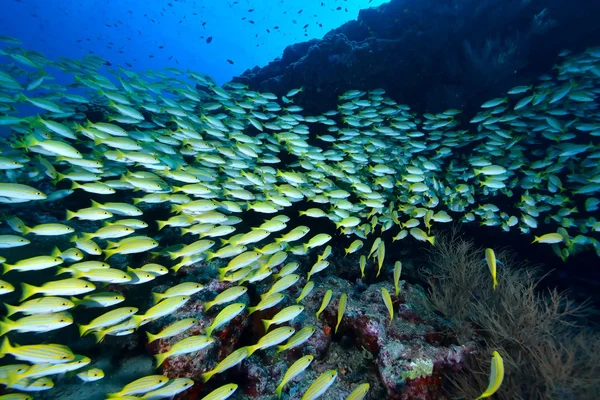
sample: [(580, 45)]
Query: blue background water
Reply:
[(131, 31)]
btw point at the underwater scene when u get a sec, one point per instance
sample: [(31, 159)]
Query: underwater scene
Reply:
[(286, 199)]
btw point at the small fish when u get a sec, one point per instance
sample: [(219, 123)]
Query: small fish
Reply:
[(226, 315), (6, 287), (170, 390), (354, 247), (496, 376), (230, 361), (320, 385), (285, 315), (360, 392), (162, 308), (362, 265), (324, 302), (183, 289), (10, 241), (294, 370), (273, 338), (341, 310), (185, 346), (305, 291), (380, 257), (298, 339), (36, 323), (490, 258), (101, 299), (226, 296), (174, 329), (387, 300), (222, 393), (141, 385), (108, 319), (549, 238), (38, 353), (397, 272), (90, 374), (43, 305), (267, 302), (65, 287)]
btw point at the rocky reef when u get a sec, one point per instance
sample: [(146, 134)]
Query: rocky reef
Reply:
[(433, 55)]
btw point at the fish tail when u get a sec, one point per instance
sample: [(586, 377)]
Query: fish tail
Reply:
[(156, 297), (279, 391), (431, 239), (27, 291), (160, 358), (161, 224), (75, 301), (251, 310), (266, 324), (108, 254), (82, 329), (206, 376), (5, 326), (5, 348), (208, 305), (7, 267), (99, 335), (70, 215), (86, 235), (137, 320), (10, 310), (151, 337)]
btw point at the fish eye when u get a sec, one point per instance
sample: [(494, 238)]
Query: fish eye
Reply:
[(86, 286), (2, 287), (64, 304), (117, 298), (64, 357), (38, 193), (62, 320)]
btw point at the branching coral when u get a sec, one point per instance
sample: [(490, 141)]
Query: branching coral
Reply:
[(547, 351)]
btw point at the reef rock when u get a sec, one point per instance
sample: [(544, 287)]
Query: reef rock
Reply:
[(432, 55)]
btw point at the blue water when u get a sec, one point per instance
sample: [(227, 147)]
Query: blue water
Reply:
[(133, 31)]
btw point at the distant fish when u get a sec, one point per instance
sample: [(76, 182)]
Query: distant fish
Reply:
[(229, 61), (208, 39)]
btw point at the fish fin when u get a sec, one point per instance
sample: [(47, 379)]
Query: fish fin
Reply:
[(7, 267), (27, 291), (160, 358), (5, 326), (266, 324), (156, 297), (10, 310), (82, 329), (151, 338), (108, 254), (206, 376), (208, 305), (161, 224), (99, 335), (70, 215), (137, 320), (5, 348)]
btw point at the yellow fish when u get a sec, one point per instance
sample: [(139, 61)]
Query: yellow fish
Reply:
[(496, 376)]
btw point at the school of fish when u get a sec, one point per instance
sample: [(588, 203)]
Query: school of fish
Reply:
[(214, 154)]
